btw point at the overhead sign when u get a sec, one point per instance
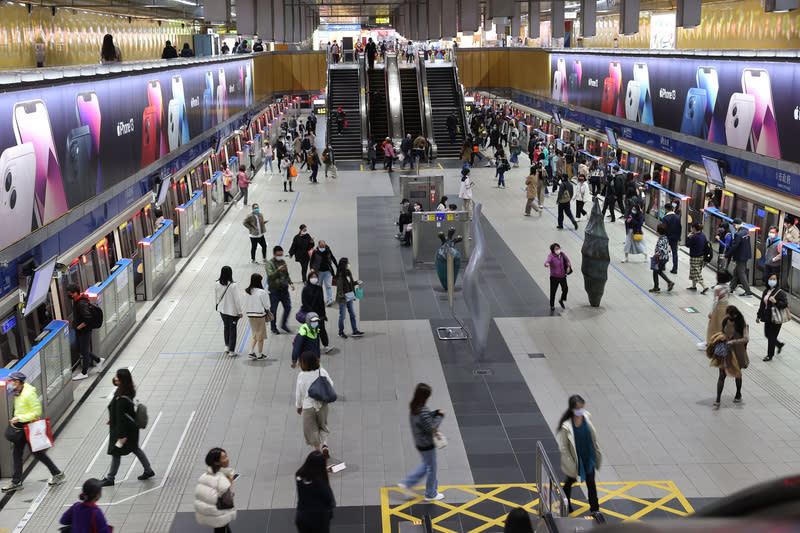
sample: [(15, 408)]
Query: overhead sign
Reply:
[(381, 20), (344, 27)]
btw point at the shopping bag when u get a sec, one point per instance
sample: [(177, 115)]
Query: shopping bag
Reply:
[(359, 292), (39, 434), (322, 390), (439, 440)]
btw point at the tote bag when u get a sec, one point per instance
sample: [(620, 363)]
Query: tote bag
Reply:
[(322, 390), (39, 434)]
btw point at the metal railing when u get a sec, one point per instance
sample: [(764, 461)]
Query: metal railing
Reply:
[(460, 88), (552, 500), (362, 104)]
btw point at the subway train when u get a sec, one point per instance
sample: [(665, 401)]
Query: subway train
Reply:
[(155, 229), (661, 178)]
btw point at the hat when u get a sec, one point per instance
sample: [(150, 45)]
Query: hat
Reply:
[(737, 221), (311, 316), (17, 375), (338, 109), (388, 138)]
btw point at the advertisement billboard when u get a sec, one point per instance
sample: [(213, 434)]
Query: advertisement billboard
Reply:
[(753, 106), (69, 142)]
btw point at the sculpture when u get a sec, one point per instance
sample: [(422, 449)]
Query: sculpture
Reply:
[(476, 303), (595, 256), (448, 246)]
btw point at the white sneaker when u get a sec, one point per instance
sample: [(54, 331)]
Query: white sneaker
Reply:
[(80, 377), (406, 492), (101, 364), (439, 496), (701, 346), (232, 354), (328, 349)]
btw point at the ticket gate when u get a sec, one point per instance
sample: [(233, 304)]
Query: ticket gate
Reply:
[(48, 367), (425, 229), (158, 260), (191, 224), (713, 217), (657, 197), (115, 296), (425, 190)]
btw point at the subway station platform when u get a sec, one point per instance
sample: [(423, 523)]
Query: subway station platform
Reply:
[(634, 360)]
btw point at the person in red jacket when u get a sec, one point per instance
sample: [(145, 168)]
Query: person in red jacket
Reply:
[(243, 182)]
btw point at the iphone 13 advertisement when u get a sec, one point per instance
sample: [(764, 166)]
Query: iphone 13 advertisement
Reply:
[(753, 106), (70, 142)]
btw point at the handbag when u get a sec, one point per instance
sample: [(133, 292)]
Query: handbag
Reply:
[(439, 440), (359, 292), (39, 434), (225, 501), (14, 433), (654, 262), (322, 390), (268, 316), (780, 316), (638, 237)]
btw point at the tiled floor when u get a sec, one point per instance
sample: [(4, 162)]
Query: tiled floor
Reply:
[(633, 359)]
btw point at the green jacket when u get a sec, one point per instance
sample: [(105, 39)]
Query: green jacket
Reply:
[(277, 279), (27, 406)]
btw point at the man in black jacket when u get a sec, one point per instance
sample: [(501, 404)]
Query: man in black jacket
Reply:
[(740, 252), (405, 148), (610, 197), (169, 52), (673, 223), (564, 198), (280, 150), (452, 126), (371, 53), (83, 331), (323, 261)]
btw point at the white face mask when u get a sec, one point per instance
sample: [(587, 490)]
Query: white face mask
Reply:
[(313, 281), (304, 232), (772, 282), (278, 258), (557, 252), (773, 235), (579, 412)]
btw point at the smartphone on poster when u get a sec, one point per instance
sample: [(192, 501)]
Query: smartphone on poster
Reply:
[(642, 76), (633, 101), (764, 134), (562, 68), (87, 109), (177, 94), (149, 136), (18, 194), (708, 80), (694, 112), (615, 73), (32, 125), (174, 124), (78, 178), (608, 104), (248, 86), (223, 90), (739, 120), (155, 99)]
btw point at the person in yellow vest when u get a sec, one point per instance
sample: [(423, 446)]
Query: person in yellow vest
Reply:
[(27, 408)]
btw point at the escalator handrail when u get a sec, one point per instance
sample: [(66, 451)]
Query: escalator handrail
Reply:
[(389, 123), (425, 109), (460, 93), (368, 97), (362, 105)]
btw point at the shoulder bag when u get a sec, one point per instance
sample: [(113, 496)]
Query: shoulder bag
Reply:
[(216, 307), (780, 316), (225, 501), (322, 390)]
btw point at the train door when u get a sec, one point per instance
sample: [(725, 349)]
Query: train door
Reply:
[(726, 203), (694, 206), (129, 245), (747, 209), (763, 218)]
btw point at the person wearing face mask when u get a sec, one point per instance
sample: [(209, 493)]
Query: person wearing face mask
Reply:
[(314, 412), (581, 195), (27, 408), (790, 232), (302, 244), (733, 358), (323, 261), (346, 296), (123, 433), (660, 259), (465, 190), (329, 161), (674, 229), (307, 338), (313, 301), (772, 299), (773, 254), (257, 226), (256, 305), (740, 252), (278, 284), (696, 241), (560, 267), (634, 237), (580, 454), (564, 196)]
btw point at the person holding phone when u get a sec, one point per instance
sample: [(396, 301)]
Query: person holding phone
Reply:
[(213, 495), (123, 433), (424, 425)]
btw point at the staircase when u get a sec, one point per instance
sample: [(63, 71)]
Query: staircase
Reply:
[(445, 99), (412, 123), (343, 92), (377, 108)]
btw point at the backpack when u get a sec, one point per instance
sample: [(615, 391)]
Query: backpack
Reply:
[(141, 417), (565, 196), (96, 316), (506, 167), (708, 252)]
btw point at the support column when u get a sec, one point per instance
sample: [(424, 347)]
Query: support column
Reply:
[(264, 20), (470, 16), (534, 18), (589, 18), (279, 26), (557, 19)]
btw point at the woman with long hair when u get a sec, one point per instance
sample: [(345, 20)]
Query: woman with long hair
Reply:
[(346, 296), (109, 53), (424, 425), (256, 305), (580, 455), (722, 291), (732, 358), (123, 433), (661, 255), (230, 308), (772, 298), (213, 495), (315, 501)]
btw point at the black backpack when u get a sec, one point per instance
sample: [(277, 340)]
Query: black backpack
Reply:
[(96, 315), (708, 252)]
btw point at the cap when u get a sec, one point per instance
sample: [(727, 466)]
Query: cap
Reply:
[(338, 109), (737, 220), (17, 375), (311, 316), (388, 138)]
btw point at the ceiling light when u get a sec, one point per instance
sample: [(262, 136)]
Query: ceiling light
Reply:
[(186, 2)]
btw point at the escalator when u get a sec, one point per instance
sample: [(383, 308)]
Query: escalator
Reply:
[(377, 107), (412, 123), (344, 92), (445, 98)]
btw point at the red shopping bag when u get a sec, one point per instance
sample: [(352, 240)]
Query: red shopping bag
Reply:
[(39, 434)]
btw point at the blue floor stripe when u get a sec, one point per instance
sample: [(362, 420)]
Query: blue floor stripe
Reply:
[(280, 243)]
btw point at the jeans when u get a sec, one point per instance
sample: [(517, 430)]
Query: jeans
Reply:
[(740, 276), (565, 209), (351, 310), (85, 349), (268, 162), (660, 272), (327, 277), (254, 243), (19, 449), (501, 182), (594, 506), (116, 459), (314, 170), (674, 246), (229, 331), (244, 194), (554, 284), (771, 332), (427, 469), (281, 296)]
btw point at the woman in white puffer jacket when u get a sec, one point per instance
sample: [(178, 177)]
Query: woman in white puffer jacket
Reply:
[(216, 481)]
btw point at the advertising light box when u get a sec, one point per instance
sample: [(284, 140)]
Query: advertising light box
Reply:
[(753, 106), (69, 142)]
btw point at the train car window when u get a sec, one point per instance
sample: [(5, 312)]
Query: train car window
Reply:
[(86, 265), (182, 191), (195, 180), (103, 260), (744, 208), (695, 204)]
